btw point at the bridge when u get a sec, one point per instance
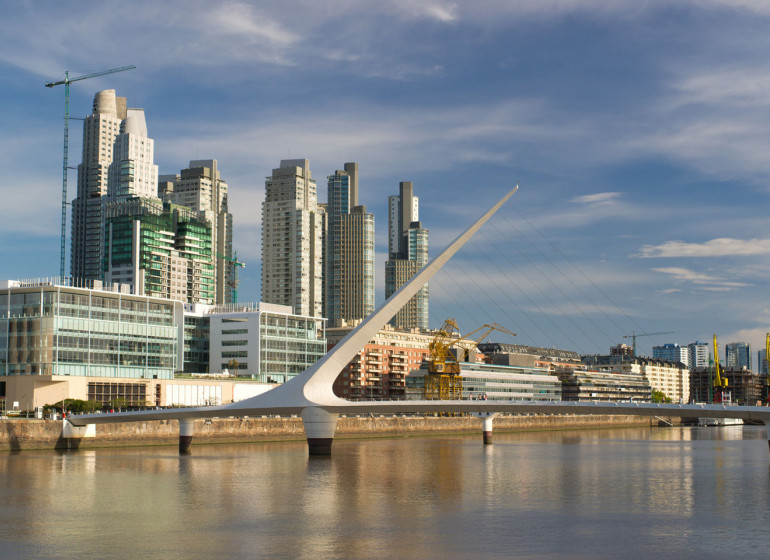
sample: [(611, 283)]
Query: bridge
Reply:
[(310, 396)]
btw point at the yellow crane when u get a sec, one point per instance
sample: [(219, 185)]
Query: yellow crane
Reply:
[(443, 381), (720, 383)]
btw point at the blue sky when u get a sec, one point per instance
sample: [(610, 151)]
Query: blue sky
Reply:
[(638, 132)]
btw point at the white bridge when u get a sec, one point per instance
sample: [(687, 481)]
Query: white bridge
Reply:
[(310, 394)]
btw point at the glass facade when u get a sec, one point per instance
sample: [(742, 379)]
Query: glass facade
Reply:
[(288, 346), (58, 330), (496, 382)]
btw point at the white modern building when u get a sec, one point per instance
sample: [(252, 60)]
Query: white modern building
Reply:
[(262, 341), (698, 354), (292, 240)]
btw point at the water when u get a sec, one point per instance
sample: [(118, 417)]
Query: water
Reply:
[(630, 493)]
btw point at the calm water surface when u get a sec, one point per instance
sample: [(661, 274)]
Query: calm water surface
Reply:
[(631, 493)]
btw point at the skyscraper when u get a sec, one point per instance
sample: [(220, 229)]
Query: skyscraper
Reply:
[(292, 237), (349, 250), (738, 354), (200, 188), (117, 164), (407, 254), (159, 249)]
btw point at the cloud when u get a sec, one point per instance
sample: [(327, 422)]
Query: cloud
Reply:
[(604, 198), (700, 280), (721, 247)]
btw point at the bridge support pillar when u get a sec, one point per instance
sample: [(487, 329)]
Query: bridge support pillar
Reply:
[(487, 418), (185, 435), (319, 429)]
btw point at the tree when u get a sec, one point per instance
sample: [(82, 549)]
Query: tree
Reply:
[(660, 397)]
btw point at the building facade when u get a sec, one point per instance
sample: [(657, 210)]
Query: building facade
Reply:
[(117, 164), (349, 251), (159, 250), (670, 378), (200, 188), (380, 369), (407, 254), (698, 355), (265, 342), (292, 240), (672, 353), (738, 354), (49, 329)]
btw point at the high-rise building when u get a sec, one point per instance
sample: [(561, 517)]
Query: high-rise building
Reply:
[(672, 353), (200, 188), (159, 249), (117, 165), (738, 354), (292, 239), (698, 354), (349, 250), (407, 254)]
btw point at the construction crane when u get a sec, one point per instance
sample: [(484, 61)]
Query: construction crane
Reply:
[(720, 383), (235, 264), (633, 336), (66, 82), (443, 381)]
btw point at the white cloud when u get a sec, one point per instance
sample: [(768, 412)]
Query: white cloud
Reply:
[(722, 247), (604, 198), (700, 280)]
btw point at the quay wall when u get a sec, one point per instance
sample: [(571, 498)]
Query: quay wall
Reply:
[(20, 434)]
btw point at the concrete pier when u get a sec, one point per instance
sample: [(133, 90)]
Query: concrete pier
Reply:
[(319, 429), (186, 428), (487, 420)]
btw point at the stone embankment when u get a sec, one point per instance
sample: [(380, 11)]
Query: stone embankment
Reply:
[(20, 434)]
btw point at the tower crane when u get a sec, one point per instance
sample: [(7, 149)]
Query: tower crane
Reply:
[(443, 381), (66, 82), (633, 336), (235, 264)]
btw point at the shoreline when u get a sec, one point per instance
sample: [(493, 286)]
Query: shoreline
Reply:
[(35, 434)]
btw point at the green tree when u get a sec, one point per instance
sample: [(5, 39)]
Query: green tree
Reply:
[(660, 397)]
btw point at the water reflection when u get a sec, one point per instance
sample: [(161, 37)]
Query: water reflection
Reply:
[(698, 492)]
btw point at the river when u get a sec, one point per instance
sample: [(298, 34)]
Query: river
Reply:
[(618, 493)]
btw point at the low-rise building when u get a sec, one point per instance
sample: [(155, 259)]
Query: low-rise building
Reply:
[(670, 378), (264, 341), (380, 369), (495, 382), (603, 385)]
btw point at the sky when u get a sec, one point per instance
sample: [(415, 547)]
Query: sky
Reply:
[(637, 131)]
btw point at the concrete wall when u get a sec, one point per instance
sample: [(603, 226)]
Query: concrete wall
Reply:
[(20, 434)]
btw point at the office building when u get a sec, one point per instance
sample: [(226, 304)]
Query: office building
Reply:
[(117, 164), (407, 254), (292, 238), (672, 353), (738, 354), (349, 250), (264, 342), (200, 188), (47, 329)]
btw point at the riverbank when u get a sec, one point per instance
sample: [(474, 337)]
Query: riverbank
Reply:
[(21, 434)]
